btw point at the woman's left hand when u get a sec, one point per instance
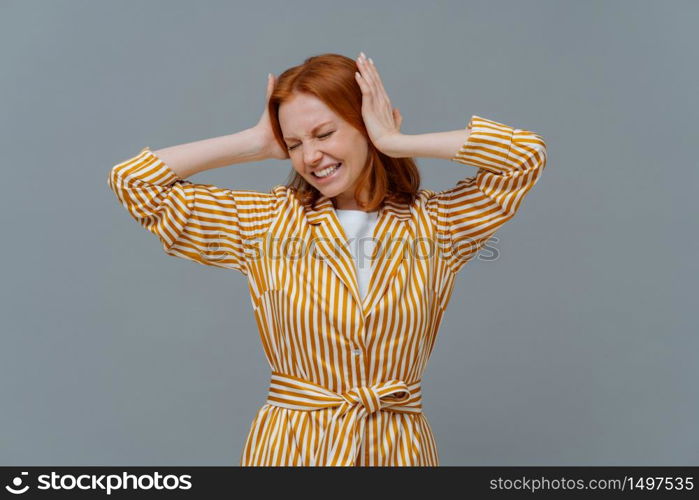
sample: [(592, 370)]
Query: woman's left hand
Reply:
[(381, 120)]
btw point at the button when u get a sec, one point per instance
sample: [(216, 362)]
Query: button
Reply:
[(356, 352)]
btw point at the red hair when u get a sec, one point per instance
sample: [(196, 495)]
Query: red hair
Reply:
[(330, 78)]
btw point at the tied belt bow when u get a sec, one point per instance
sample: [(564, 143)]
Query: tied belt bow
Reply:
[(341, 439)]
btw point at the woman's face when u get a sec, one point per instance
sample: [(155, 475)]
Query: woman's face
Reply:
[(316, 137)]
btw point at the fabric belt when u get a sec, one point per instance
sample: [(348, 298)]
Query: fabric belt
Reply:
[(341, 439)]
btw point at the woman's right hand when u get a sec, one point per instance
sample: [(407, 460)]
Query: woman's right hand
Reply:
[(270, 146)]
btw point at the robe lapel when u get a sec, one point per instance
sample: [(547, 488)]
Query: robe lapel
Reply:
[(330, 243), (390, 235)]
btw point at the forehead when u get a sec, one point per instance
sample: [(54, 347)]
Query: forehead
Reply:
[(302, 113)]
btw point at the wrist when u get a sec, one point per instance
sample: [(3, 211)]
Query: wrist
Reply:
[(395, 145), (256, 140)]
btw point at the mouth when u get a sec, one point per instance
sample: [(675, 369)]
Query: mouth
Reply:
[(327, 173)]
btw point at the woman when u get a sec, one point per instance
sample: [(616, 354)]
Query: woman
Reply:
[(347, 345)]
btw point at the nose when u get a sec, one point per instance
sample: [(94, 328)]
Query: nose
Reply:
[(311, 156)]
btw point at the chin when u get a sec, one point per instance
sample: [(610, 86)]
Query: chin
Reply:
[(330, 193)]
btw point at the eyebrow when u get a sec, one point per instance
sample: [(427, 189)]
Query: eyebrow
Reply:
[(313, 130)]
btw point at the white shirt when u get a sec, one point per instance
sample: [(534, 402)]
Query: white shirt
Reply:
[(359, 228)]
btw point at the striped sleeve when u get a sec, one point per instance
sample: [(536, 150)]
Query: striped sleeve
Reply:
[(198, 222), (510, 161)]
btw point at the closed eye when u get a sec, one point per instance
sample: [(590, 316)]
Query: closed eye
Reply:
[(320, 136)]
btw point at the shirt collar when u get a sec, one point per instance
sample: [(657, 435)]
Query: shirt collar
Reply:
[(324, 206)]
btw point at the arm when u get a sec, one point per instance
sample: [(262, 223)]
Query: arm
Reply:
[(510, 161), (198, 222), (191, 158), (433, 145)]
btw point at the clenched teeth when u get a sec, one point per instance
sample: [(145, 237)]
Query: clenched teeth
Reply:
[(327, 171)]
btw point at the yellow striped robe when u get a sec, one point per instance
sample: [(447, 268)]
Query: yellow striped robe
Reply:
[(345, 372)]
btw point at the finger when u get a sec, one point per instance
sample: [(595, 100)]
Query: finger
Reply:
[(398, 118), (362, 83), (367, 91), (366, 74), (377, 78), (378, 88)]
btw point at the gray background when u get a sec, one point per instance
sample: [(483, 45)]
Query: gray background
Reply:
[(574, 343)]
